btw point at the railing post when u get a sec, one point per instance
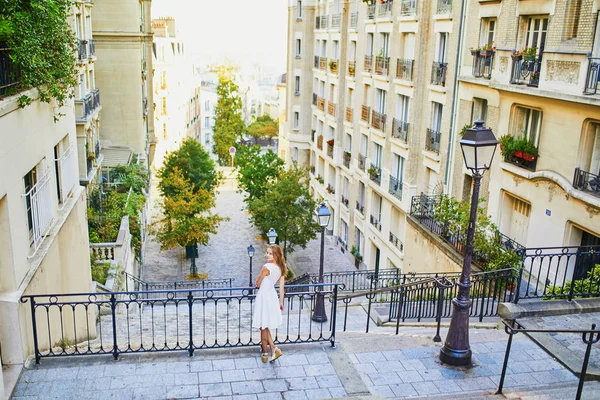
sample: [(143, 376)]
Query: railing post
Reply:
[(113, 308), (437, 337), (34, 327), (506, 356), (519, 280), (334, 315), (190, 299), (593, 338), (577, 264), (482, 297)]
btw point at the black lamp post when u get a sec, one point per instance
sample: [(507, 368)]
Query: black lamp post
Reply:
[(323, 215), (272, 236), (478, 147), (250, 254)]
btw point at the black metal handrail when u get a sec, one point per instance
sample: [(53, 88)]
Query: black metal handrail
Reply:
[(400, 129), (588, 336), (9, 73), (134, 284), (92, 47), (432, 142), (169, 320), (438, 73), (396, 242), (395, 187), (404, 69), (592, 77), (586, 181)]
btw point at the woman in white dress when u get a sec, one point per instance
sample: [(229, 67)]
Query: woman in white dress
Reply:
[(267, 307)]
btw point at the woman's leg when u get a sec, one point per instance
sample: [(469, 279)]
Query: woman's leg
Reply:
[(269, 339), (264, 340)]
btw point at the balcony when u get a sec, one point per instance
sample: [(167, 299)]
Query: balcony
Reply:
[(38, 200), (586, 182), (315, 99), (483, 62), (321, 103), (333, 66), (335, 20), (395, 187), (438, 73), (349, 114), (320, 142), (85, 107), (400, 130), (345, 201), (330, 189), (432, 142), (375, 173), (404, 69), (408, 8), (331, 108), (368, 64), (353, 20), (385, 10), (378, 120), (9, 73), (444, 7), (375, 222), (360, 207), (591, 81), (382, 65), (396, 242), (362, 160), (312, 169), (371, 11), (321, 22), (330, 149), (92, 47), (351, 68), (82, 49), (323, 63), (346, 159), (526, 70), (364, 113)]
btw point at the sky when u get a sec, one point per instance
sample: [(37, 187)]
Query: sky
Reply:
[(244, 31)]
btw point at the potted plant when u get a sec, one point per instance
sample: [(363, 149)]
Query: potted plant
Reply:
[(530, 53), (530, 152), (333, 66), (373, 171), (506, 145), (517, 55), (330, 142), (519, 144), (487, 49), (475, 50)]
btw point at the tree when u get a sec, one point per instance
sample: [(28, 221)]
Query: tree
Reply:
[(229, 125), (256, 172), (194, 163), (186, 217), (264, 126), (288, 207)]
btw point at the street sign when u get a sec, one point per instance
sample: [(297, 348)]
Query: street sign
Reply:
[(232, 150)]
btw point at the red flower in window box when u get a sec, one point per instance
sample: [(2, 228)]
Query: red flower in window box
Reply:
[(528, 157), (518, 154)]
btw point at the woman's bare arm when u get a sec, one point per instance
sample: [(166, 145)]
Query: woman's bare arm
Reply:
[(281, 292), (263, 272)]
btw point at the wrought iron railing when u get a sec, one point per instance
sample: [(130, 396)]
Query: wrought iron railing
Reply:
[(360, 207), (378, 120), (375, 222), (444, 7), (396, 242), (348, 114), (323, 63), (347, 157), (9, 73), (375, 173), (368, 64), (404, 69), (321, 103), (170, 320), (526, 70), (364, 113), (385, 9), (593, 76), (333, 66), (351, 68), (408, 7), (316, 65), (586, 181), (330, 188), (335, 20), (432, 141), (82, 49), (371, 11), (38, 201), (438, 73), (400, 130), (135, 284), (353, 20), (331, 108), (382, 65), (330, 150), (395, 187), (529, 164), (92, 47), (483, 63), (362, 160), (320, 142), (315, 99)]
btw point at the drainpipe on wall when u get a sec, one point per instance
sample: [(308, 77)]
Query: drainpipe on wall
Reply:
[(450, 159)]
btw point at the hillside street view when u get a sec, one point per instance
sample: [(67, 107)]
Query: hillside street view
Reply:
[(423, 175)]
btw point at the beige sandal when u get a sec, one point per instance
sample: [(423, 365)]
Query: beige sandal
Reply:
[(264, 357), (276, 354)]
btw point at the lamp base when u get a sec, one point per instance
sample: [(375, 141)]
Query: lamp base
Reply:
[(457, 358), (319, 317)]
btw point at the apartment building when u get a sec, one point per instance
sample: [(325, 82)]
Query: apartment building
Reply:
[(122, 32), (373, 108), (176, 90), (208, 102)]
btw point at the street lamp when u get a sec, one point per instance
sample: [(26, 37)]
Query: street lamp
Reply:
[(250, 254), (478, 147), (272, 236), (323, 215)]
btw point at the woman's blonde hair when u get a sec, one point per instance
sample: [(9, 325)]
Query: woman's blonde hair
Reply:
[(279, 258)]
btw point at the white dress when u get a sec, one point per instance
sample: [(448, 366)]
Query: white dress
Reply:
[(266, 305)]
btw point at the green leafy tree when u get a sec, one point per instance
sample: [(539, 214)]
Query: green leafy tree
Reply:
[(229, 126), (42, 48), (263, 126), (194, 163), (288, 207), (256, 171)]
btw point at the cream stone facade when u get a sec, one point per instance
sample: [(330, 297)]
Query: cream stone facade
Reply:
[(122, 32), (176, 90), (373, 108), (208, 102), (43, 224)]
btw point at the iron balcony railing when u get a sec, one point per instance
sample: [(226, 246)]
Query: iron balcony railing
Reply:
[(116, 323), (368, 64), (438, 73), (395, 187), (351, 68), (432, 141), (404, 69), (362, 160), (323, 63), (320, 142), (347, 157), (9, 73), (360, 207), (400, 129), (586, 181), (375, 222), (321, 22), (593, 75), (371, 11), (330, 188), (408, 7), (526, 70), (92, 47), (335, 20), (385, 9), (90, 103), (316, 65), (345, 201), (483, 63), (364, 113), (375, 173), (444, 7), (353, 20), (378, 120), (333, 66), (321, 103), (82, 49), (348, 114), (396, 242), (312, 169), (331, 108), (382, 65), (330, 150)]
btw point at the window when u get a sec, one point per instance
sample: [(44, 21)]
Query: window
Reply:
[(571, 25), (344, 234), (358, 240), (442, 47), (336, 50), (479, 109), (348, 143), (384, 44), (352, 55), (398, 168), (527, 122), (361, 194), (381, 101), (436, 116), (297, 87), (377, 155), (30, 180), (402, 108), (165, 136), (296, 120), (488, 30), (537, 28), (82, 88), (408, 40), (364, 140), (207, 105), (207, 122), (299, 10), (295, 154), (369, 51), (298, 47)]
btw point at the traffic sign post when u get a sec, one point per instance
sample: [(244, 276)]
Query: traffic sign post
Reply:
[(232, 153)]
